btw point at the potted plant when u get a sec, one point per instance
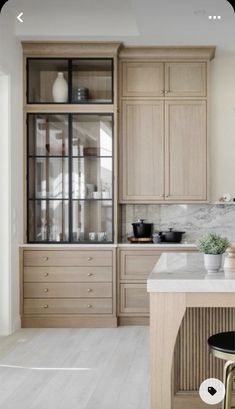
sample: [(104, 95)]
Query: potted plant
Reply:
[(213, 246)]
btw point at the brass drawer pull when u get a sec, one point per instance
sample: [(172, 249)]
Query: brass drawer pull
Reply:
[(89, 306), (46, 274), (46, 290), (45, 306), (90, 274), (89, 259), (89, 290)]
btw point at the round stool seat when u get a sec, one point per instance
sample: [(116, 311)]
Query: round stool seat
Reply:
[(222, 345)]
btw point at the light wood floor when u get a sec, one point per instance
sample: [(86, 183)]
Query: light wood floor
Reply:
[(75, 369)]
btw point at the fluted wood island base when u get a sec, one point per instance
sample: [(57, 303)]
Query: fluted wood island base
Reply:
[(177, 282)]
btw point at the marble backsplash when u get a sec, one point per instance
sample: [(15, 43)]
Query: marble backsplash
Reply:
[(194, 219)]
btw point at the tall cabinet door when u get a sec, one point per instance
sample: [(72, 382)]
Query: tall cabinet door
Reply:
[(142, 152), (186, 150)]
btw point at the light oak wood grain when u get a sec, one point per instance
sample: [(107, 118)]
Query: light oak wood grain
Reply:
[(67, 274), (67, 258), (44, 306), (134, 299), (186, 150), (142, 152), (186, 79), (141, 79), (67, 290), (137, 265)]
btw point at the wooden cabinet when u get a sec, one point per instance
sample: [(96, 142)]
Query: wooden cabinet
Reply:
[(186, 150), (171, 79), (185, 79), (134, 299), (142, 79), (142, 153), (163, 124), (134, 266), (68, 287)]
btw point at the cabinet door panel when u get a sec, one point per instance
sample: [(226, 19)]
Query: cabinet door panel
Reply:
[(134, 299), (142, 153), (142, 79), (185, 79), (137, 265), (186, 150)]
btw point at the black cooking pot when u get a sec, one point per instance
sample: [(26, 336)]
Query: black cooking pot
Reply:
[(171, 236), (141, 229)]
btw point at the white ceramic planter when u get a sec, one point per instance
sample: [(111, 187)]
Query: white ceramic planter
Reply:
[(60, 89), (212, 263)]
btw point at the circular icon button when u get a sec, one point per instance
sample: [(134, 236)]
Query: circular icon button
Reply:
[(212, 391)]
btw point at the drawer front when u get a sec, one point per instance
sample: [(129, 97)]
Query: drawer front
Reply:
[(67, 290), (68, 306), (67, 258), (134, 299), (67, 274), (137, 264)]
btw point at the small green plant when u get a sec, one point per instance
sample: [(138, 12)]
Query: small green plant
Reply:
[(212, 243)]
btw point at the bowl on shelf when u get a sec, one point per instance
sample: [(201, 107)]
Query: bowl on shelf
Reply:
[(91, 151)]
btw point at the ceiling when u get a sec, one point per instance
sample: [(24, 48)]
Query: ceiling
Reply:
[(146, 22)]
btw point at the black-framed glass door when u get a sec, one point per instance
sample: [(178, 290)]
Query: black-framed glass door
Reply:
[(70, 178)]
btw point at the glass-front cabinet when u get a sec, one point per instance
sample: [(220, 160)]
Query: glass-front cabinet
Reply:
[(70, 81), (70, 178)]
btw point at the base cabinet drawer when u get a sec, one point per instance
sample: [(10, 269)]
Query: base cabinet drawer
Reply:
[(67, 274), (67, 258), (137, 265), (68, 306), (67, 290), (134, 299)]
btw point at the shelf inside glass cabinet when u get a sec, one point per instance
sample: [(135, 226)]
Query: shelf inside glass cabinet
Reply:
[(92, 221)]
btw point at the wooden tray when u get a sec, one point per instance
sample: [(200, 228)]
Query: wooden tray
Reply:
[(133, 239)]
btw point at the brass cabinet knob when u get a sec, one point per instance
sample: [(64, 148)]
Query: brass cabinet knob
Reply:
[(46, 274), (89, 259), (46, 259), (89, 290), (89, 274), (89, 305), (167, 91), (46, 290), (45, 306)]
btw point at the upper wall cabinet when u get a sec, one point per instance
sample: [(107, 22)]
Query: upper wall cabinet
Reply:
[(163, 124), (187, 79), (153, 79), (141, 79), (66, 81)]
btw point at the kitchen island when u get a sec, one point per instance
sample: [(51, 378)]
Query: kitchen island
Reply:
[(179, 281)]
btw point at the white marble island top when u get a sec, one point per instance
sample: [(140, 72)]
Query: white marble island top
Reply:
[(185, 272)]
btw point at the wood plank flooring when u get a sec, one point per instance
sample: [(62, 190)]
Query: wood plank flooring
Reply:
[(75, 369)]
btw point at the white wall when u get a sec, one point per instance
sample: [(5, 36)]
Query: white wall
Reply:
[(222, 124), (11, 189)]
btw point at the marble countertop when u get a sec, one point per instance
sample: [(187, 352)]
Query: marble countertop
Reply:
[(185, 272)]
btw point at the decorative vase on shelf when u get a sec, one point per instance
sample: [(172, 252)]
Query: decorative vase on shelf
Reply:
[(60, 89), (212, 263)]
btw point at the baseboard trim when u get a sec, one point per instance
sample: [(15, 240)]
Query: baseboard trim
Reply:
[(122, 321), (68, 322)]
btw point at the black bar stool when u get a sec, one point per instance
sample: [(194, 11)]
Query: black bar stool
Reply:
[(222, 346)]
